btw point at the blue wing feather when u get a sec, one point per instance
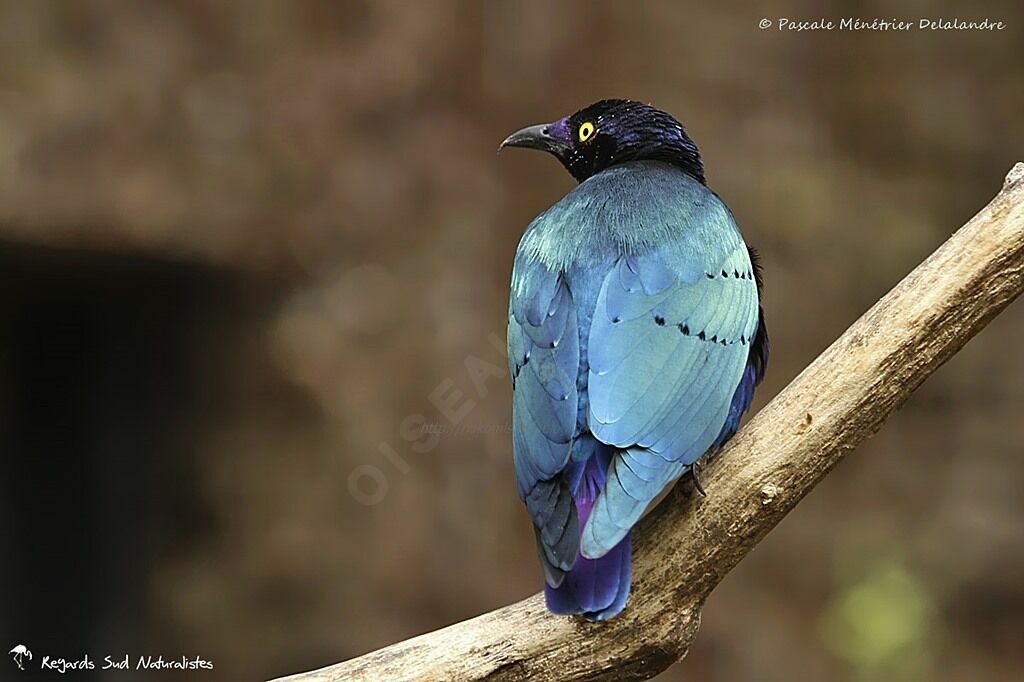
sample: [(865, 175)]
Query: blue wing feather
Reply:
[(544, 360)]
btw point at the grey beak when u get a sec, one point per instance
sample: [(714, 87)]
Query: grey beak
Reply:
[(534, 137)]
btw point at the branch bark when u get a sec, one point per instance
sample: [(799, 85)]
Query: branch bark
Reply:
[(686, 546)]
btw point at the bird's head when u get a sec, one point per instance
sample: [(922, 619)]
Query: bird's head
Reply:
[(610, 132)]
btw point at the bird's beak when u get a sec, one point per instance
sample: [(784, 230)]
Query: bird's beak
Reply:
[(535, 137)]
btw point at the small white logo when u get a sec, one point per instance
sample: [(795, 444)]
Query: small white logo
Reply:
[(19, 654)]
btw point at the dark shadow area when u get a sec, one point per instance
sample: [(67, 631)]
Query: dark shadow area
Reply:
[(96, 388)]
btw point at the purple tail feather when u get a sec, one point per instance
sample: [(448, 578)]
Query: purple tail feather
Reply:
[(598, 588)]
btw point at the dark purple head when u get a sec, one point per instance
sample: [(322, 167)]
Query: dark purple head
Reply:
[(609, 132)]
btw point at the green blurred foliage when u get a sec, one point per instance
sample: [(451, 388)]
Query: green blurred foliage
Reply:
[(882, 621)]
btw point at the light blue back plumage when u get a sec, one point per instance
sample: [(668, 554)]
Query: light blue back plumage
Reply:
[(632, 311)]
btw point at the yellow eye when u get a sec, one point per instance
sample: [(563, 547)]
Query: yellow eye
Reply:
[(586, 131)]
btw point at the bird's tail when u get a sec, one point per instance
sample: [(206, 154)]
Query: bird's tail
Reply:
[(597, 588)]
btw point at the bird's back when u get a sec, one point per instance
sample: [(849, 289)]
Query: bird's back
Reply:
[(628, 210)]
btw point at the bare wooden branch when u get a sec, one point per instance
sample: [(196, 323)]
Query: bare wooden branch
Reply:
[(689, 543)]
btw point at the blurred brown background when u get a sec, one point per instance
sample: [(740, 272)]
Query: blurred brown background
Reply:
[(243, 244)]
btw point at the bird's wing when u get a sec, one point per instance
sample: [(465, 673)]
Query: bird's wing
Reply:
[(668, 344), (544, 355)]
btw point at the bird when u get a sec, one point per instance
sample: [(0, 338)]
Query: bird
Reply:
[(636, 339)]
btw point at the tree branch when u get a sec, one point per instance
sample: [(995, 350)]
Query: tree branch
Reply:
[(687, 545)]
